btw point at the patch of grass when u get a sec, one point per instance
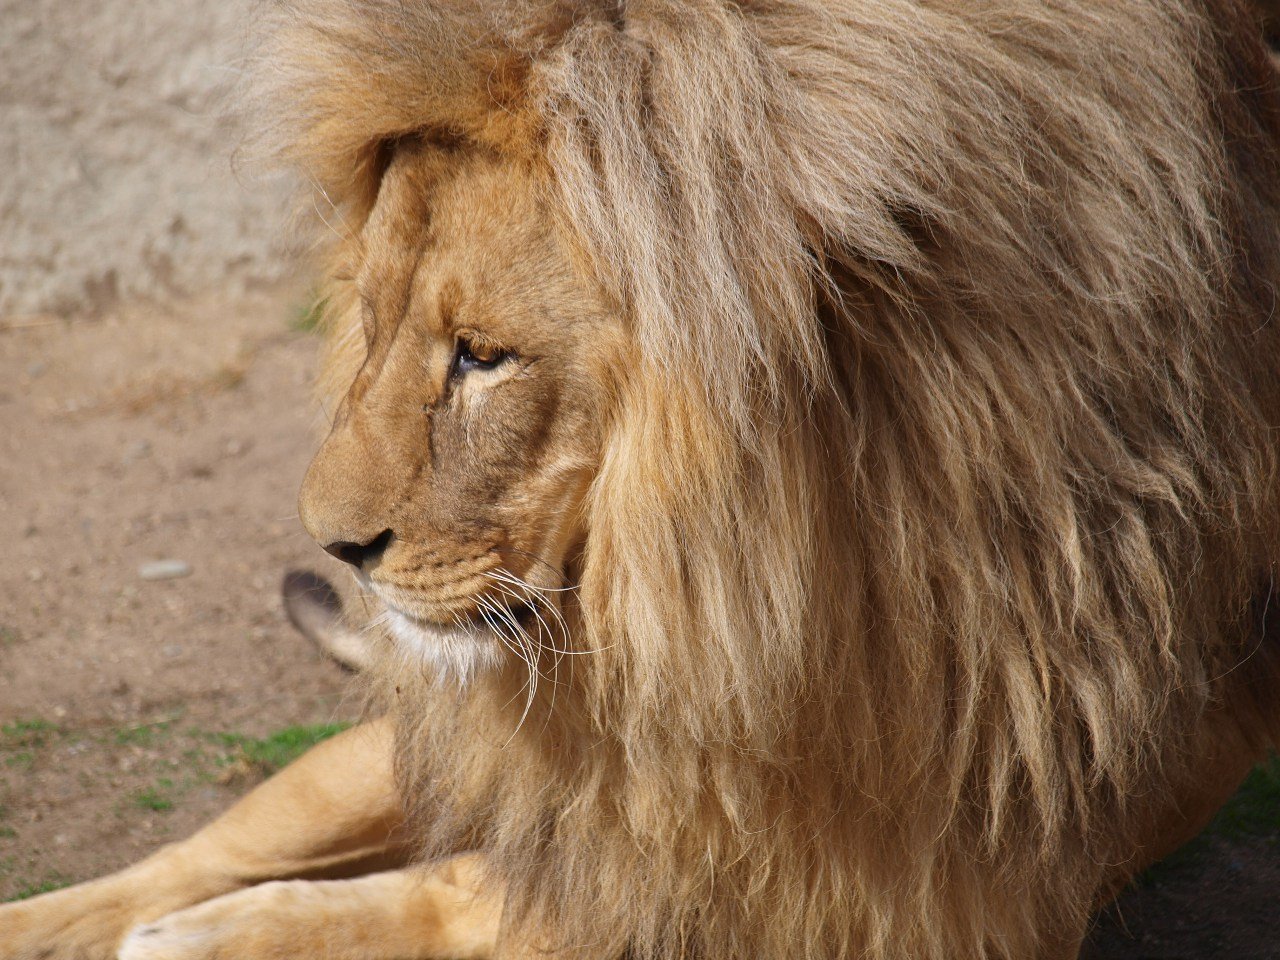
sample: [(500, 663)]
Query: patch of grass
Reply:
[(158, 798), (281, 748), (49, 884), (143, 735), (7, 833), (306, 317), (28, 733), (21, 738), (1252, 814), (10, 636), (1255, 809)]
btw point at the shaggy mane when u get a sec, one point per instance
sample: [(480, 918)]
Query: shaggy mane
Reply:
[(930, 526)]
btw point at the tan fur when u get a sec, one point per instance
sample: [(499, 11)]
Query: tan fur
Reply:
[(891, 417), (937, 495), (383, 916)]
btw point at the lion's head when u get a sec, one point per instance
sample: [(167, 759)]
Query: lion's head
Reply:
[(455, 474), (853, 410)]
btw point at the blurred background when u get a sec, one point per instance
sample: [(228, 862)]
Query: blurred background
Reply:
[(156, 416)]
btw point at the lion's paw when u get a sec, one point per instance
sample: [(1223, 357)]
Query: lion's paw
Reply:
[(273, 921), (76, 924)]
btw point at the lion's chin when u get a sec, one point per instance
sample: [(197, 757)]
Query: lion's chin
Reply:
[(456, 652)]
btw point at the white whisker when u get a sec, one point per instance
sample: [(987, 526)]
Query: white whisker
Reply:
[(486, 608)]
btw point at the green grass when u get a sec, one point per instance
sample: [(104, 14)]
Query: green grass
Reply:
[(143, 735), (158, 798), (281, 748), (1254, 811), (49, 884), (10, 636), (1252, 815), (21, 739), (28, 733), (200, 764)]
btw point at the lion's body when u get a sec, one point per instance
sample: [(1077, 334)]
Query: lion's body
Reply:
[(911, 373), (927, 549)]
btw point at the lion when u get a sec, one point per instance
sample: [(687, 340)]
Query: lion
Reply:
[(818, 463)]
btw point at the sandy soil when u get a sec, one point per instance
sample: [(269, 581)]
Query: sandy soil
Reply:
[(152, 434), (182, 434)]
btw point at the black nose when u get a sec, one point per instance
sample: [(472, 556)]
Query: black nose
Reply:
[(358, 554)]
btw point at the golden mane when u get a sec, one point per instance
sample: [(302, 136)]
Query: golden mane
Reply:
[(932, 521)]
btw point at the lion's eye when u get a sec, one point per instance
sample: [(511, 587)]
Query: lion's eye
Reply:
[(476, 355)]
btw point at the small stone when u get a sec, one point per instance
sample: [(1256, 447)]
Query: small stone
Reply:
[(35, 575), (172, 650), (36, 369), (136, 451), (164, 570)]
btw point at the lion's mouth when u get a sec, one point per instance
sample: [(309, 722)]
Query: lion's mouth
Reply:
[(459, 650), (486, 613), (469, 643), (462, 642), (487, 616)]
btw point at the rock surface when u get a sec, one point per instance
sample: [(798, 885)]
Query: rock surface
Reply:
[(164, 570), (118, 156)]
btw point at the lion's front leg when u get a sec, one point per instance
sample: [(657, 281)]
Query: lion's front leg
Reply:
[(335, 811), (442, 914), (87, 922)]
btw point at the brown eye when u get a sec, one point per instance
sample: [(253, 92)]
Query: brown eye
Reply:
[(477, 355)]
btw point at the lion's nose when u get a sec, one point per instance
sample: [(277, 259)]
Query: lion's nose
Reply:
[(358, 554)]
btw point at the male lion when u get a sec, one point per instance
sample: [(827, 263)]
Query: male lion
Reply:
[(819, 459)]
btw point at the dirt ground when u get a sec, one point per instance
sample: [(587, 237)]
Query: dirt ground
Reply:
[(152, 434), (133, 709)]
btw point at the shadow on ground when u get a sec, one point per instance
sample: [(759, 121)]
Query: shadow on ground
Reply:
[(1218, 898)]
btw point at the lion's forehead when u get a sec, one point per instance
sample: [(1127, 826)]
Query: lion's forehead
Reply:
[(459, 240)]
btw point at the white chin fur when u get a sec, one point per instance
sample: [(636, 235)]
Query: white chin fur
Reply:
[(459, 652)]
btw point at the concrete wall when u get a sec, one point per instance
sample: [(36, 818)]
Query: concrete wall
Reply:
[(116, 175)]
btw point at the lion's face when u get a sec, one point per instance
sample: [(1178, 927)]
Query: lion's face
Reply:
[(460, 456)]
